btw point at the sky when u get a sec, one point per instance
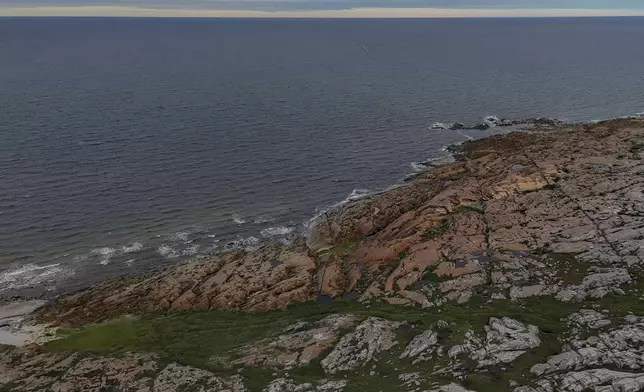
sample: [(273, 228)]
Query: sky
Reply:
[(322, 8)]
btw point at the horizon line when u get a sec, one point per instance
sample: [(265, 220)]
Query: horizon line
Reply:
[(351, 13)]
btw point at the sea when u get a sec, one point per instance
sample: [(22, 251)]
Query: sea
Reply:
[(128, 145)]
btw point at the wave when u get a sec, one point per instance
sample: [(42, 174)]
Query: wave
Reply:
[(167, 251), (358, 194), (238, 219), (264, 219), (190, 251), (105, 254), (277, 231), (440, 126), (180, 236), (32, 275), (135, 247)]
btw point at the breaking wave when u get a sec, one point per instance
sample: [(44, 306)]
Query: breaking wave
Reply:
[(276, 231), (30, 275)]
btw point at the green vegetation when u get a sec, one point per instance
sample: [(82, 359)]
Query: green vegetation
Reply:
[(437, 230), (569, 269), (463, 208), (209, 340)]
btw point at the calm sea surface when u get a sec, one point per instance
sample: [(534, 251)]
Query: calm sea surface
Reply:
[(129, 144)]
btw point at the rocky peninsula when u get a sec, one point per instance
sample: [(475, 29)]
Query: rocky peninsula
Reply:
[(518, 267)]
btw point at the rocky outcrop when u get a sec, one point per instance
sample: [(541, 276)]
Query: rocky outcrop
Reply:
[(450, 388), (271, 278), (492, 221), (421, 347), (551, 219), (298, 346), (35, 372), (285, 385), (355, 349), (589, 364), (505, 340)]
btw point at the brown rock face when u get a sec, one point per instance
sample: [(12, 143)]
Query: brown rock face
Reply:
[(492, 219), (270, 278)]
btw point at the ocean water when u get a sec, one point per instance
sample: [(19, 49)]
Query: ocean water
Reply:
[(132, 144)]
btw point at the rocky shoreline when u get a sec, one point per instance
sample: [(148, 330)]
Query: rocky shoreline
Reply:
[(517, 267)]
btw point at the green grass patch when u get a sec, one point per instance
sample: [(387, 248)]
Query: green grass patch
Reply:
[(195, 338), (463, 208)]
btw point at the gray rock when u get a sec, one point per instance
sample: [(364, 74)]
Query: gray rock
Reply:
[(421, 346), (506, 339), (298, 346), (287, 385), (596, 285), (450, 388), (183, 378), (371, 337), (589, 318)]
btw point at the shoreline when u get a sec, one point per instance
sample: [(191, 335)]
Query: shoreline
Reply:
[(512, 269), (453, 150)]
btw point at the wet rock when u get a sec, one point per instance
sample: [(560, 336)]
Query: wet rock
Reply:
[(298, 346), (371, 337)]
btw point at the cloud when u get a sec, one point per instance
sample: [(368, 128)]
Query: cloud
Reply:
[(125, 11), (321, 8), (310, 5)]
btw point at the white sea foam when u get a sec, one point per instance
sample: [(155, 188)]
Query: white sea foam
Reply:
[(32, 275), (419, 166), (180, 236), (491, 120), (358, 194), (190, 251), (439, 126), (105, 254), (130, 262), (277, 231), (167, 251), (135, 247), (238, 219)]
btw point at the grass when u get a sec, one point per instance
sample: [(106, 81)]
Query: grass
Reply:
[(568, 267), (195, 338), (463, 208)]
